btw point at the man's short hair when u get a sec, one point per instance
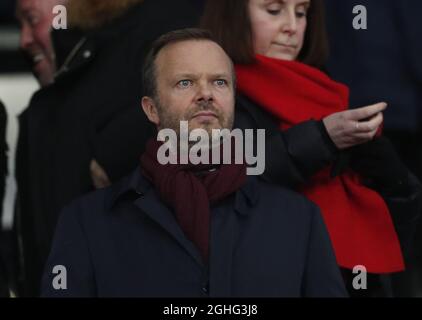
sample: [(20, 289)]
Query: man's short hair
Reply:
[(149, 74)]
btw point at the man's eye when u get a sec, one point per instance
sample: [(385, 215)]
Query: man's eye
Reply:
[(184, 83), (32, 20), (221, 82)]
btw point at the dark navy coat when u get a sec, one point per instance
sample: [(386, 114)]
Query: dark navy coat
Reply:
[(265, 241)]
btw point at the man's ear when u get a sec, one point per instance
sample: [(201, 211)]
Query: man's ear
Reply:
[(150, 110)]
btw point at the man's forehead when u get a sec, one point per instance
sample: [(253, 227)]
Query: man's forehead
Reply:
[(24, 6), (188, 56)]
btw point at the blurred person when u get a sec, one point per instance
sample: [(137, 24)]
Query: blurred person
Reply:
[(36, 17), (185, 230), (85, 130), (4, 281), (3, 154), (342, 163), (384, 61)]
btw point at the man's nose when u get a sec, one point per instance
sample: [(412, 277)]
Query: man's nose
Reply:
[(26, 38), (205, 92)]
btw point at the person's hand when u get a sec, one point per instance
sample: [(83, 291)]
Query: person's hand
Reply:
[(353, 127), (98, 175)]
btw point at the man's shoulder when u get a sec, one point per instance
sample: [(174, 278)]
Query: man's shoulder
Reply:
[(276, 198), (96, 204), (279, 193)]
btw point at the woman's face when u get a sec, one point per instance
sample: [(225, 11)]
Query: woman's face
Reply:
[(278, 27)]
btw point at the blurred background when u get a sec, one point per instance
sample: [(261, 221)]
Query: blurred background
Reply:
[(17, 85)]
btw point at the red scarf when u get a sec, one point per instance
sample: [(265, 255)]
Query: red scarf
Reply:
[(189, 193), (357, 218)]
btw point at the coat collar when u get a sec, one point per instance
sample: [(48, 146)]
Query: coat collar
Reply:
[(137, 184), (77, 48), (139, 190)]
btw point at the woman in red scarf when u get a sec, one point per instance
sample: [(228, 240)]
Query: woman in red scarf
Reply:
[(336, 157)]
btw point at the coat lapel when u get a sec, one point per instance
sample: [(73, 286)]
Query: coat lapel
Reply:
[(150, 204), (148, 201)]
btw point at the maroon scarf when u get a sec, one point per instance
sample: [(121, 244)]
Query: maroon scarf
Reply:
[(190, 190), (357, 218)]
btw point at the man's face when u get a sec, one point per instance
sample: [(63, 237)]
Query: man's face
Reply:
[(194, 84), (36, 17)]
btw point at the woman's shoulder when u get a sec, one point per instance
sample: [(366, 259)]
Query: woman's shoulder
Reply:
[(249, 114)]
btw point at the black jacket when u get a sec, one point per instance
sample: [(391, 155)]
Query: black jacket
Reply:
[(292, 156), (265, 241), (4, 291), (3, 152), (295, 155), (92, 111)]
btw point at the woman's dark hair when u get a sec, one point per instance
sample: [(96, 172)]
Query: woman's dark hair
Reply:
[(230, 24)]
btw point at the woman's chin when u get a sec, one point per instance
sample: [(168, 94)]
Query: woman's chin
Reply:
[(282, 56)]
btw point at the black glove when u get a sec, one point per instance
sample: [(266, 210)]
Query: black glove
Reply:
[(379, 164)]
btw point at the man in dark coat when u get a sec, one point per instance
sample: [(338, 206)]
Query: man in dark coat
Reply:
[(4, 286), (191, 230), (86, 129)]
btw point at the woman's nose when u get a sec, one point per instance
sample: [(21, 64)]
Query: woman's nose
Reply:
[(290, 23)]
